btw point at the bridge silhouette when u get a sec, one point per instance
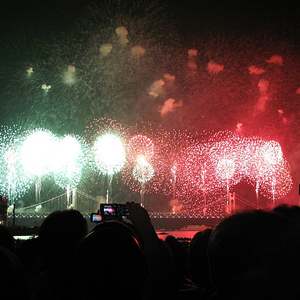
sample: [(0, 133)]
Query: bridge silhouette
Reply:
[(86, 204)]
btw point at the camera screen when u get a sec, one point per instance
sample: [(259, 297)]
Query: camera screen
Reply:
[(114, 210), (96, 217)]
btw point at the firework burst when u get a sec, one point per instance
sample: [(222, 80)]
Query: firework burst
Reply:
[(270, 172), (71, 159), (37, 152), (14, 182), (143, 146), (106, 138)]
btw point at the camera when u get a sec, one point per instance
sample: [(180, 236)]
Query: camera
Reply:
[(112, 211), (95, 217), (118, 210)]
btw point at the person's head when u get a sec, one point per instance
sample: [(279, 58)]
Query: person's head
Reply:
[(197, 261), (110, 260), (179, 253), (60, 233), (256, 255), (290, 211)]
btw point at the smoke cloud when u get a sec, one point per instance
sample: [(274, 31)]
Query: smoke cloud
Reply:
[(260, 106), (169, 77), (29, 71), (263, 85), (239, 127), (46, 87), (156, 88), (69, 76), (214, 67), (169, 106), (137, 51), (105, 49), (122, 33), (255, 70), (192, 54), (276, 59), (284, 120)]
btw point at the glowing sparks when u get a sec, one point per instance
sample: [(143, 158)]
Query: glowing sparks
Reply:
[(195, 170), (70, 160), (37, 152), (140, 145), (14, 182), (109, 154), (143, 171), (217, 164)]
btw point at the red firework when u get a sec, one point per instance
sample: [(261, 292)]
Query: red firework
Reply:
[(172, 148), (215, 164), (270, 172), (143, 145), (140, 145), (104, 125)]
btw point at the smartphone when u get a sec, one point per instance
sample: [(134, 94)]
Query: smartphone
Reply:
[(96, 217), (117, 210)]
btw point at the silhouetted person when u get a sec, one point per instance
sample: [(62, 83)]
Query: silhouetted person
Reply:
[(198, 264), (6, 238), (113, 261), (162, 281), (290, 211), (255, 255), (59, 235), (110, 264), (179, 253)]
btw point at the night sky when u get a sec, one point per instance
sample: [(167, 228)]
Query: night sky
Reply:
[(192, 16)]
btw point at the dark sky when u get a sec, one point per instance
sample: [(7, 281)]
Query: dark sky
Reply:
[(193, 15)]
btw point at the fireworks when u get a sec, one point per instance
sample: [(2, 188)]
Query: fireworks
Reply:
[(195, 170), (224, 156), (14, 183), (140, 145), (113, 64), (216, 164), (270, 172), (142, 171), (109, 154), (70, 160), (106, 138), (36, 152), (144, 146)]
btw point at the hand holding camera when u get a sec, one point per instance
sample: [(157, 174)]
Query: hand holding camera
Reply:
[(111, 211)]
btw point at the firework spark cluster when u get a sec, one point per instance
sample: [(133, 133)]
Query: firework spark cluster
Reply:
[(195, 170), (216, 164)]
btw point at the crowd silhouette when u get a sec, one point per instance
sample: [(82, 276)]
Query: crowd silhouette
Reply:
[(248, 255)]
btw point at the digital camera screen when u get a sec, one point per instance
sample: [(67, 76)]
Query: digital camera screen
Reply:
[(114, 210), (96, 217)]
